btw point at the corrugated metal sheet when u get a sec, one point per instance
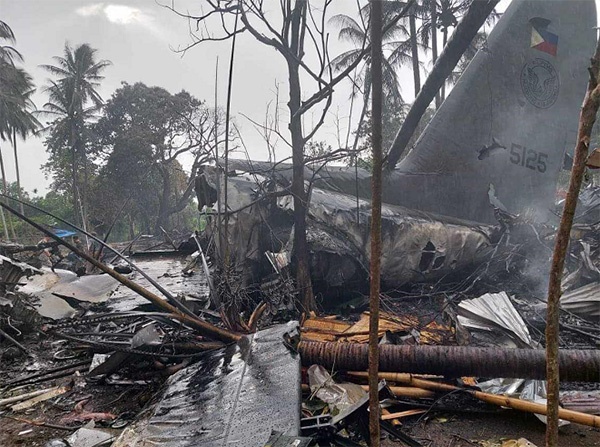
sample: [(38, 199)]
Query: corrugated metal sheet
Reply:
[(584, 301)]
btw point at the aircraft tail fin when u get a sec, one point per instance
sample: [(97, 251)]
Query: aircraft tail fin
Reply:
[(508, 120)]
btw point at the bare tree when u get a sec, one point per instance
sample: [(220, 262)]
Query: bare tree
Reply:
[(295, 29)]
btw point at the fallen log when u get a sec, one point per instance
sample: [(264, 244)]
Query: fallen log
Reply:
[(454, 361)]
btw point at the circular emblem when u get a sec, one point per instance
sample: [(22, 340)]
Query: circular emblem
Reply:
[(540, 83)]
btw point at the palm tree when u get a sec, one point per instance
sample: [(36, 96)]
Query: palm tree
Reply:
[(443, 15), (7, 52), (72, 101), (16, 106), (20, 118), (397, 50)]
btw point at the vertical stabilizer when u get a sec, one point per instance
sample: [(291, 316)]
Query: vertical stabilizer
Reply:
[(509, 119)]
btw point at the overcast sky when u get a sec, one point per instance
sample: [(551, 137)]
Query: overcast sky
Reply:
[(139, 38)]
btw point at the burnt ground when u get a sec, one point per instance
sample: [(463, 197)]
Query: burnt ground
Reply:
[(84, 401), (457, 424), (467, 430), (445, 428)]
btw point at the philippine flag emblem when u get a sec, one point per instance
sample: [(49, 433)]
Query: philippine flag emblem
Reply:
[(541, 38)]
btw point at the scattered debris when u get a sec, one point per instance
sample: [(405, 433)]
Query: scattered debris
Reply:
[(241, 392), (90, 437), (495, 311)]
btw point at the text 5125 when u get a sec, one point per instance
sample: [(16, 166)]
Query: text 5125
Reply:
[(528, 158)]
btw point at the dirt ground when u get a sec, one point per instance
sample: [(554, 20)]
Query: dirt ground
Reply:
[(468, 430)]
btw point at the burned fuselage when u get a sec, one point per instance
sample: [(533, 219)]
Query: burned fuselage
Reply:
[(418, 246)]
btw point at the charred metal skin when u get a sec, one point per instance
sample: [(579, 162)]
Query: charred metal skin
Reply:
[(418, 246), (454, 361)]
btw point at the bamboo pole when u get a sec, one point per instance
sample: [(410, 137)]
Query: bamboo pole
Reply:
[(21, 397), (402, 414), (494, 399), (408, 391), (391, 376), (399, 391)]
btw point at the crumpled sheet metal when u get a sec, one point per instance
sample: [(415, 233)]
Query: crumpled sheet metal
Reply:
[(167, 271), (492, 312), (90, 288), (235, 396), (26, 269), (524, 389), (338, 395), (584, 301), (416, 245), (11, 274), (495, 311)]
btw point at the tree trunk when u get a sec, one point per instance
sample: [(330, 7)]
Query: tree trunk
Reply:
[(363, 113), (300, 255), (74, 176), (84, 192), (163, 207), (453, 361), (5, 190), (458, 43), (19, 192), (434, 49), (445, 41), (131, 228), (226, 154), (414, 49), (587, 118), (376, 140)]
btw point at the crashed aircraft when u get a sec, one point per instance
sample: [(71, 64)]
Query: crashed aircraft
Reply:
[(495, 146)]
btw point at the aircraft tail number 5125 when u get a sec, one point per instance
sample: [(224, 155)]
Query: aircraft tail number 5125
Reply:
[(528, 158)]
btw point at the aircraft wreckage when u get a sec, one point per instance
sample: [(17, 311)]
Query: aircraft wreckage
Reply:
[(419, 245), (492, 152), (494, 149)]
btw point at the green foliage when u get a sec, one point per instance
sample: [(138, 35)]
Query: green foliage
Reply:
[(73, 102), (138, 141), (396, 47), (55, 203), (22, 230)]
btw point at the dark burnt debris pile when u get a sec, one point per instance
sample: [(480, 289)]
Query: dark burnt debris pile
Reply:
[(153, 342)]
